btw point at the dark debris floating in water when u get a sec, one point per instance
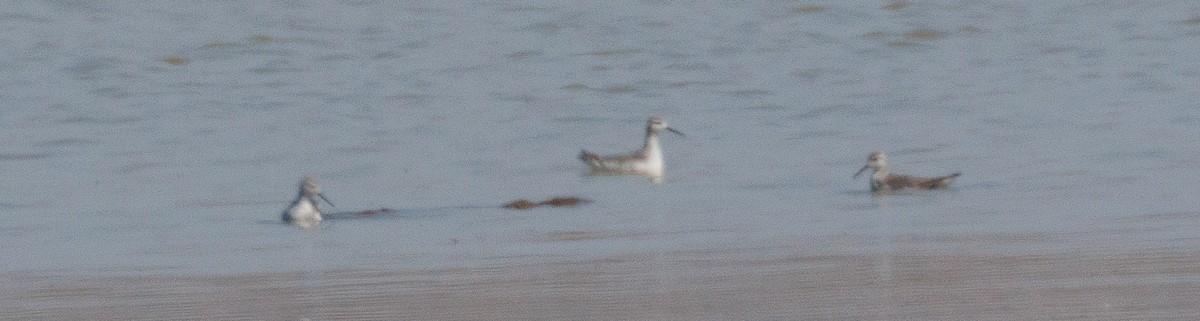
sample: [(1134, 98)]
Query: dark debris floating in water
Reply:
[(176, 60), (524, 204), (360, 214), (374, 212), (565, 201), (521, 204)]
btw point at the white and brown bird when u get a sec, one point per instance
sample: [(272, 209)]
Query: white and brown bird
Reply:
[(646, 161), (883, 181)]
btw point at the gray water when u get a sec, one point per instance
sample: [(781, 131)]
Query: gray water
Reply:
[(148, 148)]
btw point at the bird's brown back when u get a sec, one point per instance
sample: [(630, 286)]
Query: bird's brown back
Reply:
[(895, 181)]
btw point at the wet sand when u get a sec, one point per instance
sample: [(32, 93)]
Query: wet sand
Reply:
[(704, 285)]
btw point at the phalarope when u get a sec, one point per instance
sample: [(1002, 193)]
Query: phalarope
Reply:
[(646, 161), (305, 210), (883, 181)]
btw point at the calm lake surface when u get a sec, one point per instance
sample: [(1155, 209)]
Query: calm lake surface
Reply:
[(149, 147)]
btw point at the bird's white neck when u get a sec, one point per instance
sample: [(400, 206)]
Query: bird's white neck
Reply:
[(880, 173), (653, 152)]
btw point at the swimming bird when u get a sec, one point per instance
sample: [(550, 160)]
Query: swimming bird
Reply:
[(305, 210), (646, 161), (883, 181)]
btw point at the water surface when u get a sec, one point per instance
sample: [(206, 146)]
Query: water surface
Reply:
[(148, 150)]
